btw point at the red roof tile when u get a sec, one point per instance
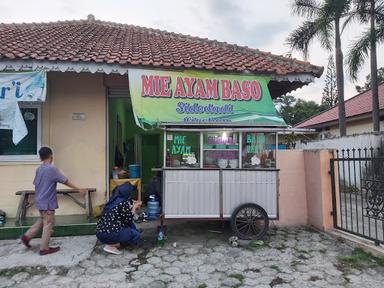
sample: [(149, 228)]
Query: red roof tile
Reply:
[(105, 42), (355, 106)]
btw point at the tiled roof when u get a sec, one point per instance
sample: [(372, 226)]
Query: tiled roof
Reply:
[(355, 106), (95, 41)]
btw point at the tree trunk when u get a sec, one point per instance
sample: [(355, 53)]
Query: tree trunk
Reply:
[(374, 84), (340, 79)]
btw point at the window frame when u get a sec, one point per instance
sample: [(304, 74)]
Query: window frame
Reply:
[(197, 134), (239, 134), (274, 135), (32, 157)]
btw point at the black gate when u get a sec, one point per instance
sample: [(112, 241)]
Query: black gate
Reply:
[(358, 192)]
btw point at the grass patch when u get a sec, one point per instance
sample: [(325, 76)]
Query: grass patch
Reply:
[(30, 270), (301, 251), (347, 189), (239, 277), (360, 259), (275, 267), (257, 244), (380, 261), (203, 285)]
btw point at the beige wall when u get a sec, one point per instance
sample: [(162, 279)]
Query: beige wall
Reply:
[(79, 146), (356, 127)]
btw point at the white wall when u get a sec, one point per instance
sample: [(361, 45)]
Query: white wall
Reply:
[(358, 141), (365, 140)]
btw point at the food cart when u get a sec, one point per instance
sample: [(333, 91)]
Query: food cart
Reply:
[(232, 177), (220, 141)]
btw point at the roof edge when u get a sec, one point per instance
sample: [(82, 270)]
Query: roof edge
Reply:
[(7, 65), (345, 101)]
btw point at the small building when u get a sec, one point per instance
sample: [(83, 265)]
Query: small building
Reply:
[(358, 112), (94, 117)]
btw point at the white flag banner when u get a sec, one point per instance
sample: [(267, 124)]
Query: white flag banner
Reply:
[(12, 119), (16, 87)]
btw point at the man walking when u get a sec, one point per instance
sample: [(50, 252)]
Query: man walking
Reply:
[(46, 179)]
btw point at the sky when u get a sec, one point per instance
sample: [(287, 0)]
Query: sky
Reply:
[(259, 24)]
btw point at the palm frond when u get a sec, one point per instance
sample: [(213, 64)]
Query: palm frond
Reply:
[(351, 17), (380, 33), (358, 53), (325, 33), (362, 7), (380, 13), (305, 8), (363, 10), (336, 9), (301, 37)]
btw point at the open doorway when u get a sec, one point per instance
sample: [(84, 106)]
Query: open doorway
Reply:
[(128, 143)]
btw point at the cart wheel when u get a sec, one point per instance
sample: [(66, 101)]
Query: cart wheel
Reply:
[(249, 221)]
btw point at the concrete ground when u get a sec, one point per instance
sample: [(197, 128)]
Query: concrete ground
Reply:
[(194, 255)]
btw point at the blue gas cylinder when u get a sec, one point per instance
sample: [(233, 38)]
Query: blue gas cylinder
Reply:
[(153, 207)]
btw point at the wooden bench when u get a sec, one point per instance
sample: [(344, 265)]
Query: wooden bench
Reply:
[(24, 201)]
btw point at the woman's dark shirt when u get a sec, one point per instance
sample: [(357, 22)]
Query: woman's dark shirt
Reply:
[(119, 217)]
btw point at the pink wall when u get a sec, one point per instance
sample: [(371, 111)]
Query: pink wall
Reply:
[(292, 189), (305, 188), (318, 186)]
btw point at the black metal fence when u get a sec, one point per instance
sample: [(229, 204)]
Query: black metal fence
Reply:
[(358, 192)]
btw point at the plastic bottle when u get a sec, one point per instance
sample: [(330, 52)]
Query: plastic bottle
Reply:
[(160, 238)]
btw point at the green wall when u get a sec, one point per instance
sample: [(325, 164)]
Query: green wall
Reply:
[(152, 149)]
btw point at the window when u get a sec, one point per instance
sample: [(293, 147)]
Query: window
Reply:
[(258, 150), (183, 149), (221, 150), (27, 148)]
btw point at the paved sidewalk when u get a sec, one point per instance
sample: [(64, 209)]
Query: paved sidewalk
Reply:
[(73, 251), (194, 256)]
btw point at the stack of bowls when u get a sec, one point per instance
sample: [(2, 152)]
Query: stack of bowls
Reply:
[(222, 163)]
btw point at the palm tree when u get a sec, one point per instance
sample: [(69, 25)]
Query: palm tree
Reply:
[(323, 23), (371, 11)]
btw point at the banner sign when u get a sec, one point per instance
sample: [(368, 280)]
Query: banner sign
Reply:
[(196, 97), (17, 87), (24, 86)]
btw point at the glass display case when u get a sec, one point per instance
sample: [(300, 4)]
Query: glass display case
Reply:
[(220, 149)]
